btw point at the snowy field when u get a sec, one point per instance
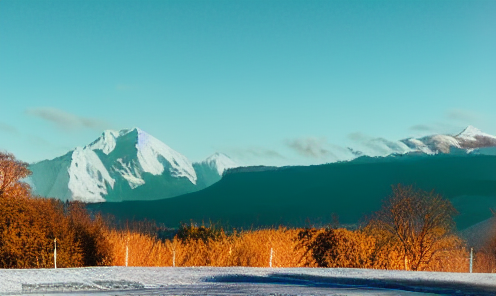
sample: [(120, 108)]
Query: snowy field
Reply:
[(239, 281)]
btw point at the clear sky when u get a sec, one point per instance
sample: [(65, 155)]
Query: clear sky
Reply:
[(257, 80)]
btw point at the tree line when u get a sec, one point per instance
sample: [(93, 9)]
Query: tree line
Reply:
[(413, 230)]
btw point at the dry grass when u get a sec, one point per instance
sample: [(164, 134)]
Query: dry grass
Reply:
[(248, 248), (289, 249)]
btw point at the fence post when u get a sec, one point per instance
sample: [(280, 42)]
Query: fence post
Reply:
[(55, 253), (127, 250), (271, 253), (173, 257), (471, 258)]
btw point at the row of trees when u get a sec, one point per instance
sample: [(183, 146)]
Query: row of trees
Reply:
[(414, 230), (29, 225)]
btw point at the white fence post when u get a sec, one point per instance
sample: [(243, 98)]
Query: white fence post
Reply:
[(127, 251), (271, 253), (55, 253), (471, 258)]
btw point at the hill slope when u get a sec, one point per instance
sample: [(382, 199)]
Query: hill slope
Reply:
[(295, 196)]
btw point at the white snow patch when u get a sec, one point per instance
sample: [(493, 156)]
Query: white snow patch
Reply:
[(133, 178), (443, 142), (421, 146), (88, 178), (220, 162), (470, 133), (149, 152), (106, 142)]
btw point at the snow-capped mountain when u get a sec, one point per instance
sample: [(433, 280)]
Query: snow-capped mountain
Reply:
[(470, 138), (219, 162), (211, 169), (133, 165), (124, 165)]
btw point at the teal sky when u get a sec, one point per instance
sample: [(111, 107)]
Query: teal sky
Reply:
[(247, 78)]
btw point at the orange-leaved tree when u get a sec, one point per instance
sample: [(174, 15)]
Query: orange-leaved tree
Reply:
[(420, 223), (11, 172)]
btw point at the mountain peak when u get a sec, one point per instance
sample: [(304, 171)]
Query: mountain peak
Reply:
[(106, 142), (470, 133), (221, 162), (149, 151)]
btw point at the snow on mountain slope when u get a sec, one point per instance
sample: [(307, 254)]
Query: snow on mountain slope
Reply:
[(468, 139), (88, 177), (129, 172), (143, 154), (150, 150), (132, 165), (106, 142), (212, 169), (123, 165), (473, 134), (220, 162)]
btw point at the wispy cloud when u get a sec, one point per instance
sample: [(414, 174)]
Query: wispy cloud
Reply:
[(465, 116), (258, 152), (358, 137), (256, 156), (377, 146), (67, 121), (7, 128), (422, 128), (319, 149), (311, 147)]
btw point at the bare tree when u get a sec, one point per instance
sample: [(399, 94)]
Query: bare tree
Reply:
[(11, 172), (419, 222)]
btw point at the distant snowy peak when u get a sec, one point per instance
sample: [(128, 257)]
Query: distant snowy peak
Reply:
[(473, 134), (220, 162), (469, 138)]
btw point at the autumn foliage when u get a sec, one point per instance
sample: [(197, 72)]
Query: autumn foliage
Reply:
[(413, 230), (29, 226)]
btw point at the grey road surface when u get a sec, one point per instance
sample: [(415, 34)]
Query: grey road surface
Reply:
[(240, 281)]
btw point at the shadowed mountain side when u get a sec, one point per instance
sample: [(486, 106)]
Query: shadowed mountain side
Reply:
[(293, 196)]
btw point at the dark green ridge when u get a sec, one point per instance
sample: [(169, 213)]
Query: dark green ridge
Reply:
[(297, 196)]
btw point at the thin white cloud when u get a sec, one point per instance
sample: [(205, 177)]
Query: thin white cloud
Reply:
[(310, 147), (258, 152), (256, 156), (377, 146), (67, 121), (422, 128), (319, 149), (7, 128)]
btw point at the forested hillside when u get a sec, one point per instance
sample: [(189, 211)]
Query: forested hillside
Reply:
[(313, 195)]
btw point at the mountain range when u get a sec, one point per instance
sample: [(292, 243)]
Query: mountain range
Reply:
[(312, 195), (133, 165)]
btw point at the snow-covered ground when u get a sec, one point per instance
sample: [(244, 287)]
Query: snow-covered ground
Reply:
[(240, 281)]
